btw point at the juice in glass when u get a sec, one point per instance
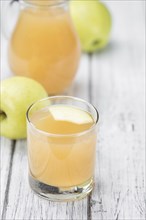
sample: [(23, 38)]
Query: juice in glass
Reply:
[(61, 149), (44, 45)]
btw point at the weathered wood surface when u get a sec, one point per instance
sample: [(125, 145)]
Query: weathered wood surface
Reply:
[(113, 80)]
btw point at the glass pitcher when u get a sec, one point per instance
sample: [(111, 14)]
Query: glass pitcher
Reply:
[(44, 45)]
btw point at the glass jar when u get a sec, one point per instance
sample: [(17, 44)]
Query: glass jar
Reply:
[(44, 45)]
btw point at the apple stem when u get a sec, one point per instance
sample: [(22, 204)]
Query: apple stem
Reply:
[(2, 115)]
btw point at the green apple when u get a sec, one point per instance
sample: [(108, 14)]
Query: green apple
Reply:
[(93, 22), (17, 94)]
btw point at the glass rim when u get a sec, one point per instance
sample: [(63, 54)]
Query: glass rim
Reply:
[(63, 135), (33, 5)]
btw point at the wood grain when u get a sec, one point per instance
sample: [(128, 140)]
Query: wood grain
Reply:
[(7, 152), (118, 91), (112, 80)]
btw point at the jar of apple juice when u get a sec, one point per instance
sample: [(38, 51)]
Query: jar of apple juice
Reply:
[(44, 45)]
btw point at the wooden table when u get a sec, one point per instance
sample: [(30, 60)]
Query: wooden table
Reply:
[(112, 80)]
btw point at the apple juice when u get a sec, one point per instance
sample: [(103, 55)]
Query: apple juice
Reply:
[(44, 45), (62, 152)]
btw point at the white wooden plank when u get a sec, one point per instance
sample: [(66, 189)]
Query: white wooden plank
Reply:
[(6, 145), (80, 86), (5, 71), (6, 151), (118, 93)]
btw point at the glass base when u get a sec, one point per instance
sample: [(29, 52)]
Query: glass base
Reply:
[(57, 194)]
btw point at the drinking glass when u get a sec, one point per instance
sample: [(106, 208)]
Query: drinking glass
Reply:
[(61, 165)]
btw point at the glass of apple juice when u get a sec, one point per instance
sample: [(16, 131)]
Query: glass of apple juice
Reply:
[(61, 138)]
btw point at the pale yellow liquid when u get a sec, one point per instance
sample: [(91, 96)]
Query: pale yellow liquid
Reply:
[(61, 161), (44, 46)]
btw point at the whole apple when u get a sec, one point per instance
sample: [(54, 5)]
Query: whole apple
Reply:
[(17, 94), (93, 22)]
